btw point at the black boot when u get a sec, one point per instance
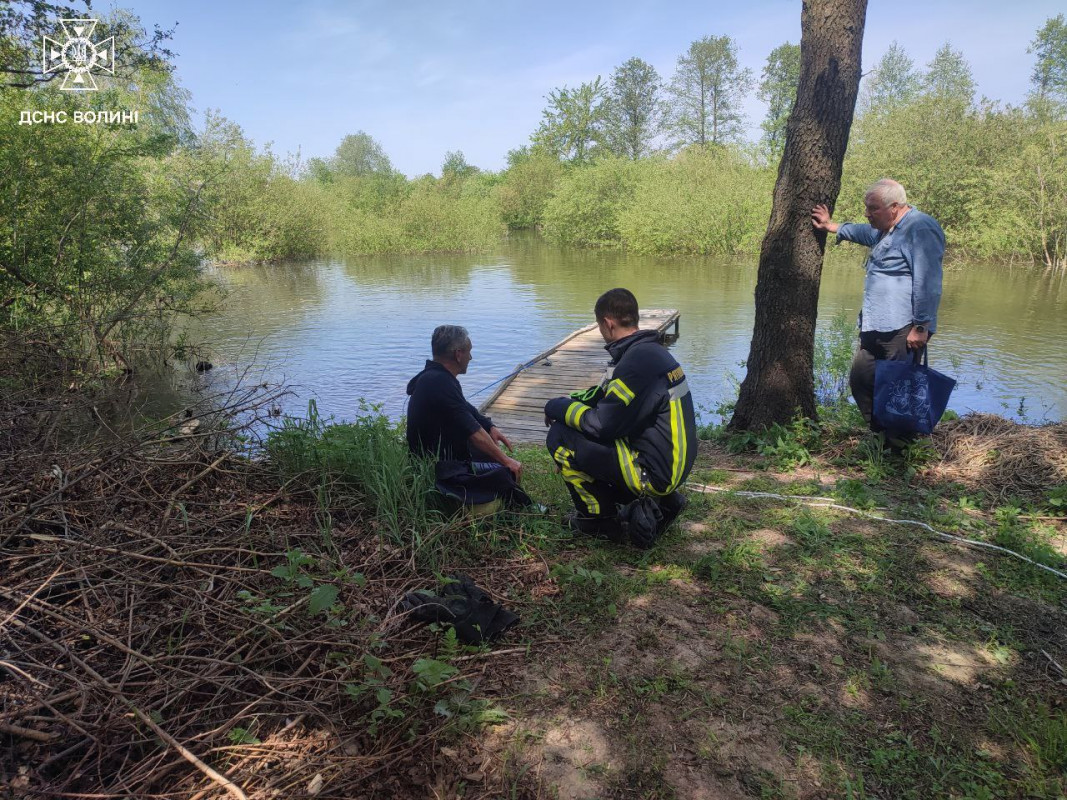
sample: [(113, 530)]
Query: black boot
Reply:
[(604, 527), (641, 520), (671, 506)]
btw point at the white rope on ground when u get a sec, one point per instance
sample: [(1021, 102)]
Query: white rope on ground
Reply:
[(829, 502)]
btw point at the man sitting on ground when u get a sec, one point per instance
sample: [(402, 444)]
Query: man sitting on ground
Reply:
[(471, 466), (627, 446)]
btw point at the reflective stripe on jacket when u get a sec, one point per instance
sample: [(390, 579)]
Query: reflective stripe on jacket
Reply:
[(647, 410)]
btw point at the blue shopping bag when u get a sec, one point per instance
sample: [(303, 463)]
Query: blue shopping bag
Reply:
[(909, 397)]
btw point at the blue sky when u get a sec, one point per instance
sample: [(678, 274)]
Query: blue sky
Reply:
[(424, 78)]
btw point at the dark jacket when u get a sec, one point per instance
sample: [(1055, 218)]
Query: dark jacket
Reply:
[(440, 420), (646, 407)]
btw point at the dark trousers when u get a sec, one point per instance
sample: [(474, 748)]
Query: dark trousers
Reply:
[(591, 470), (874, 346)]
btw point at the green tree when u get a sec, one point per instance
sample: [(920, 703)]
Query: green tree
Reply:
[(948, 76), (634, 109), (96, 233), (778, 89), (455, 166), (1019, 203), (893, 82), (1049, 77), (359, 155), (318, 169), (572, 127), (707, 89)]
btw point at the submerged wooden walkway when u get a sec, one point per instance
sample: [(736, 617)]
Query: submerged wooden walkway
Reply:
[(577, 362)]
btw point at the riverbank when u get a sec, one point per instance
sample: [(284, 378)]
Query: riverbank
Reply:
[(178, 617)]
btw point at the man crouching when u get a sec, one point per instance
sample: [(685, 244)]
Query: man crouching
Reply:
[(626, 446), (471, 467)]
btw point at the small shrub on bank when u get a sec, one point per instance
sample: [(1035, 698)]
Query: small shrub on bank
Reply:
[(365, 462)]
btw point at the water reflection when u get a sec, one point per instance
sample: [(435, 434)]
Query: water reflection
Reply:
[(341, 330)]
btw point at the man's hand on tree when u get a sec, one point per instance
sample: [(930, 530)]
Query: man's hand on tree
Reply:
[(820, 219)]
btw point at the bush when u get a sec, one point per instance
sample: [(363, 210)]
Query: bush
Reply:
[(364, 463), (585, 209), (704, 202), (96, 257), (528, 184)]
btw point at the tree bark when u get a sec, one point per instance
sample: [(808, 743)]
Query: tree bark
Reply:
[(779, 382)]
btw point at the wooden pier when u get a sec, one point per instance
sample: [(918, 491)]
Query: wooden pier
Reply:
[(575, 363)]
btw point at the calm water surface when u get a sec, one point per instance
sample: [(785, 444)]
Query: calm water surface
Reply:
[(339, 330)]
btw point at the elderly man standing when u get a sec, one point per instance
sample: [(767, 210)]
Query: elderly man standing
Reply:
[(471, 465), (903, 286)]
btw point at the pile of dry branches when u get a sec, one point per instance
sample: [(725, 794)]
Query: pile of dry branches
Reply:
[(1000, 457), (158, 638)]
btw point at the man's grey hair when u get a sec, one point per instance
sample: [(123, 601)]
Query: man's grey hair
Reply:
[(447, 338), (888, 191)]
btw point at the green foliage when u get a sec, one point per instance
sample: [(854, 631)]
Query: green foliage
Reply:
[(726, 564), (1056, 501), (634, 109), (96, 252), (242, 736), (572, 127), (811, 533), (429, 672), (778, 89), (455, 167), (1050, 70), (585, 208), (948, 76), (529, 181), (359, 155), (322, 598), (894, 82), (386, 214), (705, 202), (1021, 208), (1034, 543), (834, 348), (994, 178), (23, 23), (708, 88), (254, 209), (785, 448), (363, 463), (437, 681)]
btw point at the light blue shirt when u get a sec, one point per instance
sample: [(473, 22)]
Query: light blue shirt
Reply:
[(903, 283)]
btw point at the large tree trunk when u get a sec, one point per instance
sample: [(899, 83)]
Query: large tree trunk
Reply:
[(779, 381)]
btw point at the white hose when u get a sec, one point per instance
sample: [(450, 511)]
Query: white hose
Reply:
[(829, 502)]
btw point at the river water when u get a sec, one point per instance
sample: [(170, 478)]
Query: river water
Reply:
[(339, 330)]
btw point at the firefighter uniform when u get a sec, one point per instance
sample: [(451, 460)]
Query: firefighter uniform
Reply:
[(634, 436)]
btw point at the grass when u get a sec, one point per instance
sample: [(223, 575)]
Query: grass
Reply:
[(856, 653)]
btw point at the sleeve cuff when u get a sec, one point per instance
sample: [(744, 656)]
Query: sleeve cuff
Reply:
[(556, 409)]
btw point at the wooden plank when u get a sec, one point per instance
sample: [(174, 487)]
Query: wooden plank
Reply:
[(576, 362), (538, 357), (555, 380)]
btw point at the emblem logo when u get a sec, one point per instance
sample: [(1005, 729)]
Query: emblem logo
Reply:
[(78, 55)]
